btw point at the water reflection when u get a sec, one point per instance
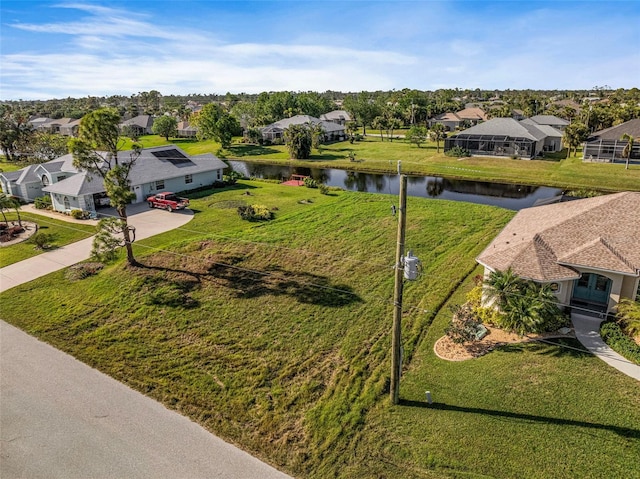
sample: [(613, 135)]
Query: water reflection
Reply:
[(509, 196)]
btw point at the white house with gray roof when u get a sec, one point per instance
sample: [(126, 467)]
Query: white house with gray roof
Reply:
[(506, 137), (162, 168), (332, 131)]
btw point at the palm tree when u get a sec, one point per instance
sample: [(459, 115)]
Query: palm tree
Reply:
[(4, 205), (437, 134), (629, 316), (628, 149), (501, 285)]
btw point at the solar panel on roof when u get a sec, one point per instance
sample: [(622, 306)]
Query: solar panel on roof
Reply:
[(172, 155)]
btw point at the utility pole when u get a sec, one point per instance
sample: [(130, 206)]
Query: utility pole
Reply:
[(396, 342)]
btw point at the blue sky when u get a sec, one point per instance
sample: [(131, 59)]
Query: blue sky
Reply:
[(80, 48)]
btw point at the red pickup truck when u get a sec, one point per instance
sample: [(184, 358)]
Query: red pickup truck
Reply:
[(167, 201)]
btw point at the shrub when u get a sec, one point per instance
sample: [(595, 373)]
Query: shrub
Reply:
[(310, 182), (79, 214), (42, 240), (232, 177), (458, 152), (324, 189), (42, 203), (463, 326), (255, 213), (613, 335), (83, 270)]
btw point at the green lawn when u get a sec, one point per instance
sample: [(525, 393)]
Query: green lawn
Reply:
[(63, 233), (374, 155), (276, 337)]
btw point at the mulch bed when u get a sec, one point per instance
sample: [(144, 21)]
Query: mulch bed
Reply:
[(450, 351), (29, 230)]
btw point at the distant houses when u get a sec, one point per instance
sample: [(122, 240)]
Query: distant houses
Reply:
[(460, 119), (608, 146), (275, 131), (507, 137)]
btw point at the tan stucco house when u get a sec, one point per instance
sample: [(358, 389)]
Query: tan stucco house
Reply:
[(588, 250)]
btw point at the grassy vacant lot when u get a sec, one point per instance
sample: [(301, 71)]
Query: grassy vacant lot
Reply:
[(378, 156), (276, 337), (63, 233)]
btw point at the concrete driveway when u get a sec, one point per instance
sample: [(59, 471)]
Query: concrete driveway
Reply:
[(59, 418)]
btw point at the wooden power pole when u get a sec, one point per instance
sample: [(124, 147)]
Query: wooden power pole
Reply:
[(396, 340)]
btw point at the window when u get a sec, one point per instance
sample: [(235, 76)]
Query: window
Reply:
[(188, 179), (66, 203), (45, 180), (160, 185)]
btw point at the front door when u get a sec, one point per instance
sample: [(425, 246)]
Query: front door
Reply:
[(592, 288)]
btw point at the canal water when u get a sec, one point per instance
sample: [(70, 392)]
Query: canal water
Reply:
[(510, 196)]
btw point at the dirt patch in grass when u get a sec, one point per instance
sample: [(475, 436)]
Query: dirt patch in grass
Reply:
[(446, 349)]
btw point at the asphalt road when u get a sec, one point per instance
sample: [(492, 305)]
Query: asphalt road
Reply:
[(59, 418)]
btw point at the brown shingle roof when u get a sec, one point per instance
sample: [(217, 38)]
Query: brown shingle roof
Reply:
[(547, 243), (631, 127)]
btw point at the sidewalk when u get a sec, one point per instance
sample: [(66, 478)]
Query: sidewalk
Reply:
[(588, 333)]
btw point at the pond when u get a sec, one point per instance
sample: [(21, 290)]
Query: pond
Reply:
[(510, 196)]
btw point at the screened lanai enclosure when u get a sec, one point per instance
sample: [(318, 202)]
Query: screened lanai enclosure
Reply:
[(610, 151), (493, 145)]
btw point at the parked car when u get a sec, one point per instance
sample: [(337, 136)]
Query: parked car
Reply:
[(168, 201)]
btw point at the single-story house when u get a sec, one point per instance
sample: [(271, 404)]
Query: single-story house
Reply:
[(141, 123), (506, 137), (553, 138), (185, 130), (332, 131), (607, 146), (341, 117), (162, 168), (550, 120), (588, 250), (465, 117)]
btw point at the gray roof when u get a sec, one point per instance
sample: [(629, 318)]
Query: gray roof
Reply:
[(143, 121), (549, 120), (504, 127), (631, 127), (336, 115), (548, 130), (77, 185), (301, 120), (172, 163)]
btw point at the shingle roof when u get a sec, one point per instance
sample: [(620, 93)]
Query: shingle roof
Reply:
[(148, 168), (549, 120), (505, 127), (302, 119), (548, 130), (547, 243), (631, 127), (336, 115)]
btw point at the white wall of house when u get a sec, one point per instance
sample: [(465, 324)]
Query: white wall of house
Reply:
[(59, 204), (181, 183)]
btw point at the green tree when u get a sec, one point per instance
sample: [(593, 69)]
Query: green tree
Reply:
[(213, 122), (46, 146), (15, 130), (351, 129), (166, 126), (96, 152), (379, 123), (416, 134), (574, 135), (437, 134), (299, 140), (6, 203), (500, 285), (363, 108), (628, 149)]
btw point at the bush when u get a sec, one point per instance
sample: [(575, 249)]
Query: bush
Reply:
[(42, 240), (463, 326), (231, 178), (613, 335), (324, 189), (79, 214), (458, 152), (83, 270), (255, 213), (310, 182), (42, 203)]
